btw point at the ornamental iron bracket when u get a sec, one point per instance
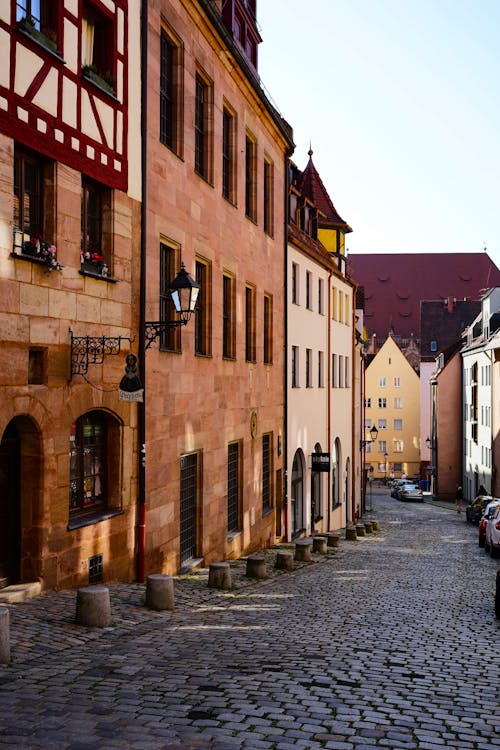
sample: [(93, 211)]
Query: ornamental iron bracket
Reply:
[(91, 350), (154, 329)]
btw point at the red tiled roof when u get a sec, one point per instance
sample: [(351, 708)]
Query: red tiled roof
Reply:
[(395, 284), (312, 186)]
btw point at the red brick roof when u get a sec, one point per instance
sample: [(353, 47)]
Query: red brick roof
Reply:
[(395, 284), (312, 186)]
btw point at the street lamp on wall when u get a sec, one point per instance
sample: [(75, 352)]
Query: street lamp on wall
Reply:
[(428, 442), (184, 292), (373, 437)]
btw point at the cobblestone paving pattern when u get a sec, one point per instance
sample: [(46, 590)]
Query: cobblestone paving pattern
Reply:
[(385, 643)]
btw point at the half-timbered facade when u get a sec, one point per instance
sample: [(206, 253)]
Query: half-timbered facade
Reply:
[(69, 242)]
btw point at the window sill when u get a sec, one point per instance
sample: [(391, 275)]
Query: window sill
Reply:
[(36, 260), (92, 518), (41, 41), (203, 355), (267, 512), (233, 534), (95, 80), (204, 177), (97, 275)]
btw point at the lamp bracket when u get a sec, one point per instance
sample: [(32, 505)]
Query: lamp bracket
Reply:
[(91, 350), (154, 329)]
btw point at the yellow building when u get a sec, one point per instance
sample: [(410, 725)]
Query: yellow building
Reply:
[(393, 407)]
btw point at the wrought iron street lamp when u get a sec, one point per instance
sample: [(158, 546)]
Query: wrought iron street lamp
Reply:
[(184, 292)]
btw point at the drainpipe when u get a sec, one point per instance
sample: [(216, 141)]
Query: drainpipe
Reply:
[(329, 397), (141, 417), (288, 154), (353, 416)]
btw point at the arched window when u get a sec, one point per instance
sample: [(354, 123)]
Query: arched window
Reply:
[(297, 496), (316, 492)]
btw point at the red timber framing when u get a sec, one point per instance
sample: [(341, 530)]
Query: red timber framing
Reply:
[(52, 97)]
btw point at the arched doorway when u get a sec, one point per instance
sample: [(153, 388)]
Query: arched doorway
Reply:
[(316, 496), (19, 478), (336, 477), (10, 506), (347, 491), (297, 493)]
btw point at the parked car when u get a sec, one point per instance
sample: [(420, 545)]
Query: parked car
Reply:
[(488, 512), (475, 509), (492, 532), (396, 486), (410, 492)]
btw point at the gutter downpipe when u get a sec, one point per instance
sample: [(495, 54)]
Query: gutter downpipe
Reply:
[(353, 417), (329, 399), (288, 154), (141, 417)]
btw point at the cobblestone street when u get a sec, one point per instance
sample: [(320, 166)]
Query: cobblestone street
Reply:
[(383, 643)]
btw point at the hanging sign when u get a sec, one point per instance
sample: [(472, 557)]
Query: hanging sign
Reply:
[(320, 462), (130, 388)]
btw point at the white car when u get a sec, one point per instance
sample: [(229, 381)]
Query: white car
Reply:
[(492, 534)]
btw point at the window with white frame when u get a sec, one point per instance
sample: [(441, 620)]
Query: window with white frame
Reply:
[(382, 382), (397, 446), (398, 424), (398, 403), (382, 424), (382, 403), (397, 381), (382, 446), (368, 402)]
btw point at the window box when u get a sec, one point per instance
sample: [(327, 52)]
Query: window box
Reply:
[(27, 25), (105, 81)]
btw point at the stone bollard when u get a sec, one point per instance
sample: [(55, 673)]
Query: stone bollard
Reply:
[(368, 527), (360, 529), (332, 540), (4, 636), (256, 566), (375, 526), (219, 575), (303, 550), (284, 560), (92, 607), (159, 592), (351, 534), (319, 545)]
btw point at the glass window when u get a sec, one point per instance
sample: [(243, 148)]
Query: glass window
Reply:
[(170, 88), (96, 239), (202, 127), (268, 197), (251, 178), (268, 329), (88, 460), (228, 317), (228, 155), (234, 487), (250, 326), (202, 321), (267, 472), (170, 338)]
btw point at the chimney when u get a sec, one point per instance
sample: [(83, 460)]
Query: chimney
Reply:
[(374, 343), (451, 302)]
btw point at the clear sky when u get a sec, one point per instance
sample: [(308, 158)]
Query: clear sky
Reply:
[(400, 101)]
